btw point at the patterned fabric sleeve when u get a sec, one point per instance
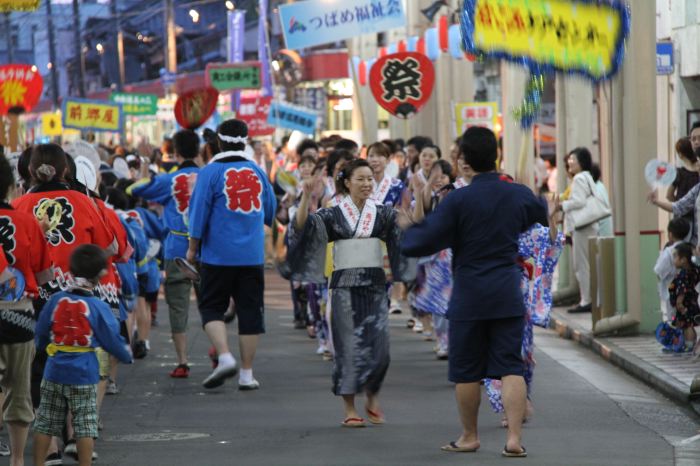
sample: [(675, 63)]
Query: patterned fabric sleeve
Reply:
[(306, 251), (547, 256)]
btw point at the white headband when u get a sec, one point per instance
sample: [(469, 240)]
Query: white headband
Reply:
[(232, 139)]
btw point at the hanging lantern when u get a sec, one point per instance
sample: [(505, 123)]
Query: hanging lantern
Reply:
[(455, 42), (420, 46), (382, 52), (443, 34), (412, 45), (362, 73), (432, 44), (402, 46)]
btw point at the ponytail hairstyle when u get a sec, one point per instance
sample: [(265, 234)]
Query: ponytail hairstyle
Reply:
[(48, 163), (346, 173)]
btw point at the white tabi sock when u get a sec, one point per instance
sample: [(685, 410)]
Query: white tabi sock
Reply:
[(226, 360), (246, 377)]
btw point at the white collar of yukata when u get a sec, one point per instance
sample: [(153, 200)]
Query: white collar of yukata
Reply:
[(232, 153)]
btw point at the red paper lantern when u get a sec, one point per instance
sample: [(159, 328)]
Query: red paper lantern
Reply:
[(362, 72), (402, 82), (382, 52), (402, 46), (20, 88), (195, 107), (420, 46), (443, 33), (470, 57)]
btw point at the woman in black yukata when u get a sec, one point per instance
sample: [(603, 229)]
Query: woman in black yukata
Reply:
[(359, 324)]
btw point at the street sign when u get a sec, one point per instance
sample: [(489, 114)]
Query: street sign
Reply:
[(136, 104), (95, 115), (285, 115), (470, 114), (316, 22), (254, 111), (234, 76), (664, 58)]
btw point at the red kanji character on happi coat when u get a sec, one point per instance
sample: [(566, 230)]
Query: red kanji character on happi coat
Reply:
[(182, 191), (71, 326), (136, 216), (243, 190)]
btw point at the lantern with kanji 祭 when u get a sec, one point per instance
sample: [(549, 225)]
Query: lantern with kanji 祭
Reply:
[(402, 82)]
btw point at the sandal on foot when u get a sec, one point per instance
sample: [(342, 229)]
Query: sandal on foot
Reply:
[(375, 417), (514, 454), (354, 422), (453, 447)]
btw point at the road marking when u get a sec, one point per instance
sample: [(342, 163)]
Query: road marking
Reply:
[(689, 440)]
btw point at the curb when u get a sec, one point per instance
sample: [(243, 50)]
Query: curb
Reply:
[(633, 365)]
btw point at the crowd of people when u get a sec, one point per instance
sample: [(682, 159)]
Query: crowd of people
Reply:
[(359, 232)]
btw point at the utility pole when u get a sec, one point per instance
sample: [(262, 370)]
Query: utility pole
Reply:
[(119, 37), (52, 56), (78, 48), (170, 40), (8, 35)]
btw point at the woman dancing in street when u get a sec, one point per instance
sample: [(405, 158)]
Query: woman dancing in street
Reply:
[(357, 286)]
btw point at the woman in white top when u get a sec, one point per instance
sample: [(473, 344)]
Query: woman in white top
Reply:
[(580, 163)]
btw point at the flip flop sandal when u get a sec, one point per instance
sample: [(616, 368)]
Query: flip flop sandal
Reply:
[(354, 422), (375, 417), (453, 447), (514, 454)]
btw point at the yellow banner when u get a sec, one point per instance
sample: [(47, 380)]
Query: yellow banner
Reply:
[(18, 5), (571, 35), (51, 124), (92, 115)]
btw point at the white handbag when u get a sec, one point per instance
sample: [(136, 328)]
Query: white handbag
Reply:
[(595, 210)]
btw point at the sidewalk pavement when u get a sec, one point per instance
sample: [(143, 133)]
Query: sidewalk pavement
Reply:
[(675, 375)]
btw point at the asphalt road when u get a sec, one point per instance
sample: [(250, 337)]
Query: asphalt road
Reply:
[(587, 412)]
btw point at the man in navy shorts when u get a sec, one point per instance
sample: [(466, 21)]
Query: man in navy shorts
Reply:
[(481, 223)]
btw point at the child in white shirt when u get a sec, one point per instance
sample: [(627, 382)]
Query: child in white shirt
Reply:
[(665, 269)]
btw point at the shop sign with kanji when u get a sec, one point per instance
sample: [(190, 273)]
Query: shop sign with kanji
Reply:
[(93, 115), (402, 82), (584, 37), (20, 88), (136, 104), (470, 114), (233, 76), (7, 6), (315, 22), (254, 111), (284, 115)]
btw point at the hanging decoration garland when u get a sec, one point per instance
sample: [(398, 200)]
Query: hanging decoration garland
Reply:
[(530, 107)]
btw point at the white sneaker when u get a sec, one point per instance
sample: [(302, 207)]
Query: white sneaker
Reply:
[(220, 374), (4, 449), (254, 385), (418, 327), (442, 354)]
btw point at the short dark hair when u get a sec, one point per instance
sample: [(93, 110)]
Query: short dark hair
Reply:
[(679, 228), (306, 144), (346, 174), (23, 164), (479, 149), (50, 155), (335, 156), (393, 147), (419, 142), (186, 144), (233, 128), (695, 126), (118, 199), (685, 251), (446, 168), (87, 261), (584, 157), (307, 158), (347, 144), (7, 179)]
